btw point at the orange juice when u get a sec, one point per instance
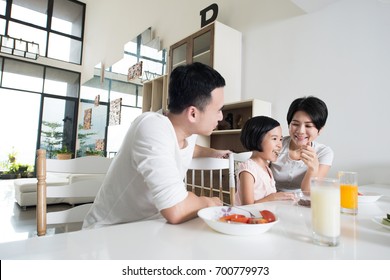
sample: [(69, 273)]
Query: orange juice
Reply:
[(349, 196)]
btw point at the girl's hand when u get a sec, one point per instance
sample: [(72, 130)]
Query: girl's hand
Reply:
[(282, 196), (309, 157)]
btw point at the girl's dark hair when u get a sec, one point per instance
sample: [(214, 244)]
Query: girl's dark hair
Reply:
[(191, 85), (313, 106), (252, 134)]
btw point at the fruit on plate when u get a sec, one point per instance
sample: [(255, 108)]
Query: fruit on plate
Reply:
[(235, 218), (257, 221), (266, 217)]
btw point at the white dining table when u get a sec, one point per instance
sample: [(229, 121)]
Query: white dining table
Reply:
[(289, 239)]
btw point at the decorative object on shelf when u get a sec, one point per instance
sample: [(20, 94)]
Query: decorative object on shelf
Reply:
[(87, 118), (135, 71), (206, 12), (229, 120), (19, 47), (239, 122), (115, 112), (223, 125)]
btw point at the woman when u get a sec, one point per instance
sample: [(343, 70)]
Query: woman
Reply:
[(301, 157)]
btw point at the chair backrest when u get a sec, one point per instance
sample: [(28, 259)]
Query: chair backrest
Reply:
[(240, 157), (85, 184), (212, 177)]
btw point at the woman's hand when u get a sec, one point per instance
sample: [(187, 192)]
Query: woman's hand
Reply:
[(309, 157)]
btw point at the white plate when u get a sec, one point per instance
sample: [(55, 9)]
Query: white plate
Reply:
[(378, 220), (211, 217), (368, 197)]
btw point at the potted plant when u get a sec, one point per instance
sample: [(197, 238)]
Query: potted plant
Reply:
[(13, 169), (63, 153), (93, 153), (12, 172)]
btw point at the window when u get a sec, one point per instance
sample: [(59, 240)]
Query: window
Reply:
[(39, 104), (114, 86), (30, 34), (60, 36), (35, 11), (19, 120), (23, 76), (58, 125), (63, 83)]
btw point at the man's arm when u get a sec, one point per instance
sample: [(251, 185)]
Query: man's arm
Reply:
[(201, 151), (188, 208)]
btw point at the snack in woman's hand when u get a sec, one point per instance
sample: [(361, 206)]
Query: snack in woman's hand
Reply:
[(304, 202)]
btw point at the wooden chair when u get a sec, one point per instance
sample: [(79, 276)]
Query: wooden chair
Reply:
[(82, 184), (212, 177)]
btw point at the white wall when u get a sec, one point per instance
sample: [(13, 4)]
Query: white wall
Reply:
[(339, 53), (342, 55)]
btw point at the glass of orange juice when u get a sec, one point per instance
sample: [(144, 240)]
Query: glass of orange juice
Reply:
[(348, 192)]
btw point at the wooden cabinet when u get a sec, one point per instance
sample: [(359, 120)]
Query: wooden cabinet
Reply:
[(230, 138), (155, 94), (218, 46)]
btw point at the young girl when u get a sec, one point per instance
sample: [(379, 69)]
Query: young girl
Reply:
[(255, 182)]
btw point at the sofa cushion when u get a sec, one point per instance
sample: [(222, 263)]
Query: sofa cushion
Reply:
[(30, 184)]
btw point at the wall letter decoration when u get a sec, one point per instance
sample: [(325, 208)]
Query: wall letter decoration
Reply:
[(203, 14)]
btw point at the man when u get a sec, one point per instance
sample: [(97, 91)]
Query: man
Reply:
[(145, 179)]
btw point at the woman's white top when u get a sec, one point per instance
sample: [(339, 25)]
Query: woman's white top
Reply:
[(289, 173)]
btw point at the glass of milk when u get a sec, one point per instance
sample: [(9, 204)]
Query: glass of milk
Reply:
[(325, 210)]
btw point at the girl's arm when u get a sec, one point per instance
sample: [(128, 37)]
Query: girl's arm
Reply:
[(277, 196), (247, 183)]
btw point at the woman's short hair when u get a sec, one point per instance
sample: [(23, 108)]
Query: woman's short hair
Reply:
[(191, 85), (313, 106), (252, 134)]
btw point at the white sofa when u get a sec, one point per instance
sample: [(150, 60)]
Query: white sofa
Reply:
[(83, 168)]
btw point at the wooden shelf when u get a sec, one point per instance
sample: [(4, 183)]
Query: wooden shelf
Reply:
[(226, 131), (155, 94), (218, 46), (230, 139)]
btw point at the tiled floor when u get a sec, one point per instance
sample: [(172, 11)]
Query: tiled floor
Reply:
[(18, 224)]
